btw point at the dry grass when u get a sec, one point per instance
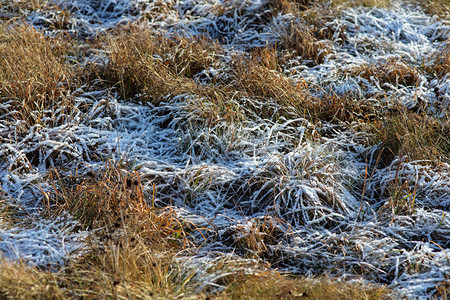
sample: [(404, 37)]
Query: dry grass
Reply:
[(20, 281), (34, 74), (259, 77), (131, 252), (148, 277), (304, 42), (144, 62), (440, 65), (112, 199), (435, 7), (158, 67), (129, 267), (117, 270), (255, 238), (392, 72), (401, 196), (273, 8), (356, 3), (335, 108), (10, 9), (418, 136), (275, 286)]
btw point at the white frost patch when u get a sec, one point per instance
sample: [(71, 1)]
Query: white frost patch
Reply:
[(42, 242)]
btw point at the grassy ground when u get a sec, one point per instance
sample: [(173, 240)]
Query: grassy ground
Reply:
[(134, 245)]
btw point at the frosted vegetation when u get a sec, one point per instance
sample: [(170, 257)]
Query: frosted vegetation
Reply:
[(312, 140)]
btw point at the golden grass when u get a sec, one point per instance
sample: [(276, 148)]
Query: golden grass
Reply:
[(117, 270), (440, 65), (158, 67), (113, 199), (128, 267), (275, 286), (255, 238), (20, 281), (142, 275), (304, 42), (260, 77), (418, 136), (356, 3), (34, 74), (145, 62), (129, 255), (439, 8), (10, 9), (391, 72)]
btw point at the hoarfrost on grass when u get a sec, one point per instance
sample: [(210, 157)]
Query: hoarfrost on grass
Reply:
[(233, 175)]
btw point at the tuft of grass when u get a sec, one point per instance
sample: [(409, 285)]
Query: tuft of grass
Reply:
[(120, 269), (157, 67), (113, 199), (335, 108), (439, 8), (276, 286), (20, 281), (401, 196), (34, 74), (419, 136), (143, 62), (304, 41), (392, 72), (356, 3), (255, 237), (260, 77), (273, 8), (133, 244), (128, 267), (440, 65)]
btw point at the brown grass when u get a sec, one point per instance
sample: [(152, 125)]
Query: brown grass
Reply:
[(22, 8), (336, 108), (119, 270), (131, 254), (255, 238), (143, 275), (113, 199), (274, 7), (440, 65), (132, 249), (391, 72), (304, 42), (418, 136), (260, 77), (356, 3), (158, 67), (34, 74), (275, 286), (144, 62), (435, 7), (19, 281)]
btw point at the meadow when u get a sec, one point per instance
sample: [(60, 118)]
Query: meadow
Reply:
[(224, 149)]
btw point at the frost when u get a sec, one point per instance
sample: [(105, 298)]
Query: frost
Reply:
[(232, 175)]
